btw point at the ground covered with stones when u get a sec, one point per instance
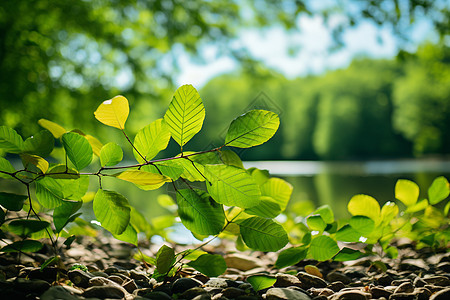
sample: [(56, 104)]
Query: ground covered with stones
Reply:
[(112, 273)]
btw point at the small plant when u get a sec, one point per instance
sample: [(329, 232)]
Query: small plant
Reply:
[(233, 200), (370, 225)]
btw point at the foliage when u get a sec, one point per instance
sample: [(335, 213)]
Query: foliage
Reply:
[(424, 221), (230, 194), (63, 54)]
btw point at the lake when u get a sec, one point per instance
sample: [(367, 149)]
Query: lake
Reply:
[(334, 183)]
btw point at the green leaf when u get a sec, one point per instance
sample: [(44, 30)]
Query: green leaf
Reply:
[(326, 213), (170, 168), (260, 282), (347, 254), (51, 261), (78, 149), (150, 140), (185, 114), (6, 166), (229, 157), (12, 202), (40, 144), (51, 192), (315, 222), (10, 140), (323, 248), (113, 112), (165, 258), (112, 210), (267, 208), (232, 186), (62, 172), (199, 213), (55, 129), (252, 128), (111, 154), (138, 221), (439, 190), (143, 178), (62, 214), (362, 225), (23, 246), (25, 227), (279, 189), (290, 257), (211, 265), (407, 191), (348, 234), (128, 236), (392, 252), (364, 205), (262, 234)]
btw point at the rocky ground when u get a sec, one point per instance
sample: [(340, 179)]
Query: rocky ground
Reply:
[(112, 274)]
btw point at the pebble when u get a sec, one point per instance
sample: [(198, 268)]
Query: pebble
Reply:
[(441, 295), (79, 278), (308, 281), (438, 280), (350, 295), (405, 287), (285, 294), (338, 276), (285, 280), (58, 292), (105, 291), (183, 284)]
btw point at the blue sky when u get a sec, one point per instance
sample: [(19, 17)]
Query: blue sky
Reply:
[(313, 57)]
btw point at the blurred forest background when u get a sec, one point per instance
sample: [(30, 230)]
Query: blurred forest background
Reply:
[(60, 59)]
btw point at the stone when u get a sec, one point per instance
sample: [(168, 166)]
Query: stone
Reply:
[(31, 286), (202, 297), (105, 291), (403, 296), (232, 292), (422, 293), (405, 287), (384, 279), (419, 282), (129, 285), (58, 292), (138, 275), (441, 295), (336, 286), (241, 262), (217, 283), (79, 278), (338, 276), (444, 266), (285, 294), (308, 281), (192, 293), (183, 284), (350, 295), (413, 265), (285, 280), (378, 292), (438, 280), (321, 291), (116, 279)]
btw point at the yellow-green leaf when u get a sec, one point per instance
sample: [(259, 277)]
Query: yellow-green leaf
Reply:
[(364, 205), (143, 178), (113, 112), (407, 191), (150, 140), (38, 161), (55, 129), (96, 145), (185, 114)]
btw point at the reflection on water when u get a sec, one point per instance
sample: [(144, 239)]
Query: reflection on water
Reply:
[(334, 183)]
